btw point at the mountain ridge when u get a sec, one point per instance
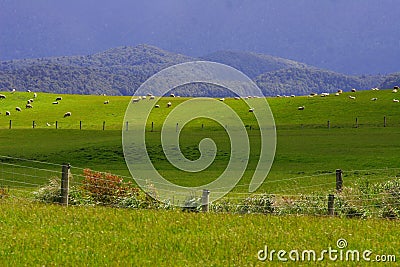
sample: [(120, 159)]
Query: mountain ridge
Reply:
[(121, 70)]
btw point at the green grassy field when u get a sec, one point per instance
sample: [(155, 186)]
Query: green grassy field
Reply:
[(306, 158)]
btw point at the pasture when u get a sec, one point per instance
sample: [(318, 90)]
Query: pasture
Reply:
[(308, 152)]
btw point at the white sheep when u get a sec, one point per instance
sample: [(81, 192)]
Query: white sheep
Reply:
[(12, 91), (34, 95), (396, 87), (18, 109), (172, 95), (394, 91), (28, 106), (352, 97), (169, 104), (339, 91), (59, 98), (337, 94), (395, 100), (106, 102), (2, 97), (55, 103), (353, 90), (143, 97), (222, 99), (48, 124), (237, 98), (374, 99), (28, 91), (8, 113), (292, 96), (157, 106), (152, 97), (135, 100), (67, 114), (251, 110), (301, 108)]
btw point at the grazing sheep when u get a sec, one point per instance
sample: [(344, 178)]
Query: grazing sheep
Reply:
[(375, 89), (143, 97), (337, 94), (28, 91), (30, 100), (276, 96), (157, 106), (2, 97), (169, 104), (292, 96), (310, 96), (374, 99), (301, 108), (339, 91), (251, 110), (352, 97), (394, 91), (106, 102), (59, 98), (152, 97), (313, 94), (396, 87), (249, 96), (237, 98), (55, 103), (172, 95), (18, 109), (67, 114), (353, 90), (34, 95), (28, 106), (48, 124), (135, 100), (395, 100), (12, 91), (149, 94), (324, 94), (8, 113), (222, 99)]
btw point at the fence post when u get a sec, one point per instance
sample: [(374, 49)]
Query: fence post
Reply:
[(177, 127), (202, 126), (127, 125), (80, 125), (56, 124), (104, 125), (10, 125), (152, 125), (329, 124), (356, 122), (33, 124), (331, 201), (205, 198), (339, 179), (384, 121), (65, 183)]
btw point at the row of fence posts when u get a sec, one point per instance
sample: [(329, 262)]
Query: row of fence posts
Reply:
[(202, 125), (205, 198)]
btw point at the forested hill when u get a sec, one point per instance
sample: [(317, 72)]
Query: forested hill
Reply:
[(121, 70)]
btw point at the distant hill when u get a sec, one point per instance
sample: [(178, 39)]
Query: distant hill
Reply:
[(302, 81), (391, 80), (121, 70)]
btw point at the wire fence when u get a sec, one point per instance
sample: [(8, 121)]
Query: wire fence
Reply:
[(375, 196)]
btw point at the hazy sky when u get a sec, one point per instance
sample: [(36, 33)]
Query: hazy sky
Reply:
[(350, 36)]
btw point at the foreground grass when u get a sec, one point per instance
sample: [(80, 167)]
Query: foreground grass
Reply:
[(49, 235)]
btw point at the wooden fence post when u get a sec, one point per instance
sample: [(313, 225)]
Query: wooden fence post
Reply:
[(205, 199), (339, 179), (126, 126), (65, 183), (152, 125), (33, 124), (331, 202), (177, 127), (10, 125), (356, 122), (56, 124), (329, 124), (80, 125), (384, 121), (104, 125)]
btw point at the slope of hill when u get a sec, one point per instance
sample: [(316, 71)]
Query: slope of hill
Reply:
[(305, 80), (252, 64), (120, 71), (391, 81)]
